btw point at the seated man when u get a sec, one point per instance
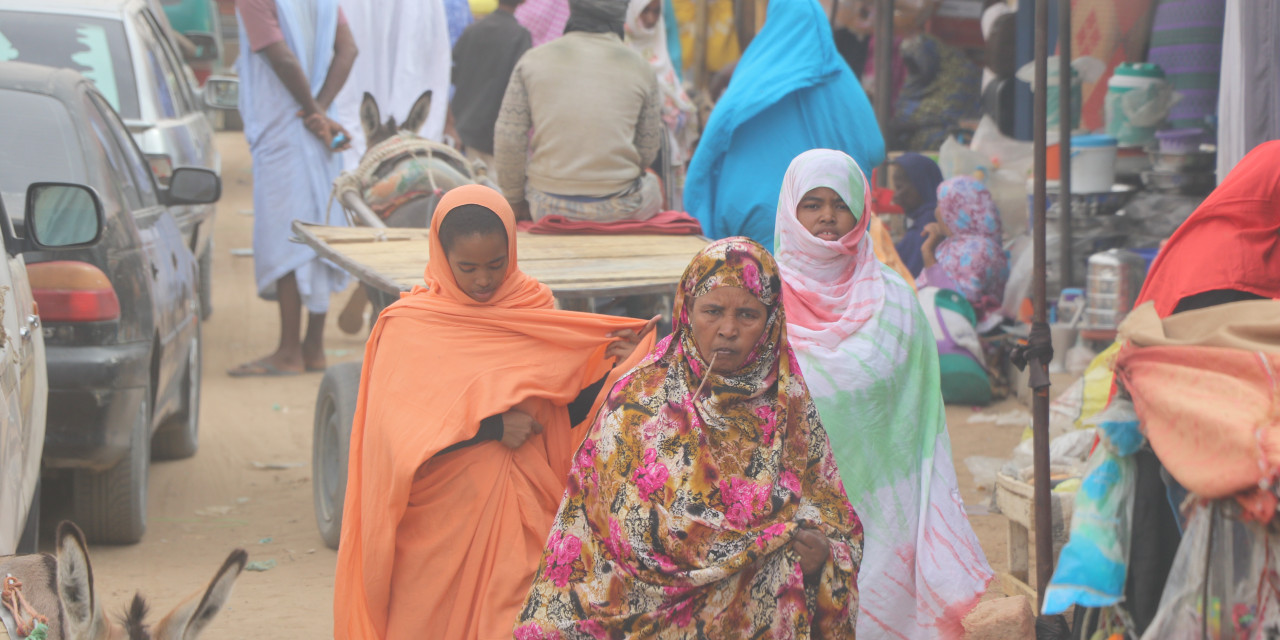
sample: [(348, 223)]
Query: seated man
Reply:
[(594, 109)]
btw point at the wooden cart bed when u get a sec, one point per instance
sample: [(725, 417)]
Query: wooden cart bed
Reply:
[(574, 266)]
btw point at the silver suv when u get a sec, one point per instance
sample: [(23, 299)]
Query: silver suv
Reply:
[(123, 48)]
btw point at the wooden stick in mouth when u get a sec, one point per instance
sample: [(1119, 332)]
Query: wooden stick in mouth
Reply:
[(707, 376)]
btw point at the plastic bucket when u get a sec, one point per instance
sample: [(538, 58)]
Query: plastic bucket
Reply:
[(1051, 117), (1093, 163), (1129, 77), (1180, 140)]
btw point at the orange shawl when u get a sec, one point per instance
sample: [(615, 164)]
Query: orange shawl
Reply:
[(447, 546), (882, 242)]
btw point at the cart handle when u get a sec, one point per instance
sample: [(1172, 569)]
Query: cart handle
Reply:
[(354, 203)]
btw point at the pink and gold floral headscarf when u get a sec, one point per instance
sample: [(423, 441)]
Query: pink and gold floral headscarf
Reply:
[(684, 498)]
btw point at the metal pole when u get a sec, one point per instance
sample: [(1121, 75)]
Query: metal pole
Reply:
[(701, 21), (884, 76), (1065, 263), (744, 22), (1037, 371)]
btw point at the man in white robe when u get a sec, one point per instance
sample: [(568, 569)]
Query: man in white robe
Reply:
[(404, 51), (295, 55)]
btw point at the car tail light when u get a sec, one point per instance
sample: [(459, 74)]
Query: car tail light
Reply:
[(161, 168), (70, 291)]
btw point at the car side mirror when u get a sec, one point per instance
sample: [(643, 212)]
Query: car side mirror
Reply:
[(222, 92), (63, 215), (191, 185), (206, 46)]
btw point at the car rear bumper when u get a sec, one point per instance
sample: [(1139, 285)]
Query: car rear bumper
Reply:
[(95, 394)]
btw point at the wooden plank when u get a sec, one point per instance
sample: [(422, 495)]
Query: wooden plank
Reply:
[(532, 246), (394, 260), (1015, 587), (563, 270), (303, 233), (1014, 501), (1018, 554), (663, 265)]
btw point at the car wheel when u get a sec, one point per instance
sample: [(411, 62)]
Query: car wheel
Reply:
[(331, 441), (179, 436), (111, 506), (206, 282), (29, 542)]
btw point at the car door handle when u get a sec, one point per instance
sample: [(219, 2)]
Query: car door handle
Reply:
[(33, 321)]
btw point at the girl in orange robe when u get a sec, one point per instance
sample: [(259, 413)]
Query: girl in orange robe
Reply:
[(462, 437)]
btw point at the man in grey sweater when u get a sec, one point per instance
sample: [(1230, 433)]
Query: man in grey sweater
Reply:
[(594, 110)]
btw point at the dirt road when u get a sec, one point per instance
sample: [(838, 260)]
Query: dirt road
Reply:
[(202, 508)]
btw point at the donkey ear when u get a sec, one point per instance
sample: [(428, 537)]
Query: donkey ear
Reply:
[(418, 113), (370, 116), (190, 618), (75, 583)]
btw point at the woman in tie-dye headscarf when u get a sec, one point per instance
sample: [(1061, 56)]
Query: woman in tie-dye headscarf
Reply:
[(963, 250), (871, 364)]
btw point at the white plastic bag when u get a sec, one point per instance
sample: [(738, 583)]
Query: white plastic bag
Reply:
[(956, 159), (1223, 580), (984, 470)]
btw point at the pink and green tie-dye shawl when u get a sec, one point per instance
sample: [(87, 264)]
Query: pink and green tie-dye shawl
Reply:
[(871, 365)]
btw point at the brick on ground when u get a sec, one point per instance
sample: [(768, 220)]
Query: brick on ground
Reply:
[(1001, 619)]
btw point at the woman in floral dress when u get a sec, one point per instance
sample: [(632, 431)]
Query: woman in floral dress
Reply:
[(705, 502), (963, 250)]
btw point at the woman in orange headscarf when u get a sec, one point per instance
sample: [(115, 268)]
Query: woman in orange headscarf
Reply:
[(463, 434)]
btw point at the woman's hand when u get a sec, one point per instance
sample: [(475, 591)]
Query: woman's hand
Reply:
[(628, 340), (934, 234), (517, 426), (814, 550)]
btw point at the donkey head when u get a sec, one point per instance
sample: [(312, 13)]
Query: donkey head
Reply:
[(376, 130), (82, 610)]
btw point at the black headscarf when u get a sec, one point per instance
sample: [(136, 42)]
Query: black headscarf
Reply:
[(597, 16)]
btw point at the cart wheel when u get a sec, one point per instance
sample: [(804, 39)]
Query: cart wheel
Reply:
[(331, 440)]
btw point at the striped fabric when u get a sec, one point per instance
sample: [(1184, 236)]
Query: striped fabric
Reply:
[(1186, 41)]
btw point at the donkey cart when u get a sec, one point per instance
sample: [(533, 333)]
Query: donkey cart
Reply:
[(580, 270)]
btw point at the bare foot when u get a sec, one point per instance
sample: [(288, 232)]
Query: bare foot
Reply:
[(313, 358), (274, 365)]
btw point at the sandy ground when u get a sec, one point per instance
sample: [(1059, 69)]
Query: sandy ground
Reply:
[(202, 508)]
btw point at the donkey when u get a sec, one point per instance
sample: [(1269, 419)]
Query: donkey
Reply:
[(377, 131), (61, 589)]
